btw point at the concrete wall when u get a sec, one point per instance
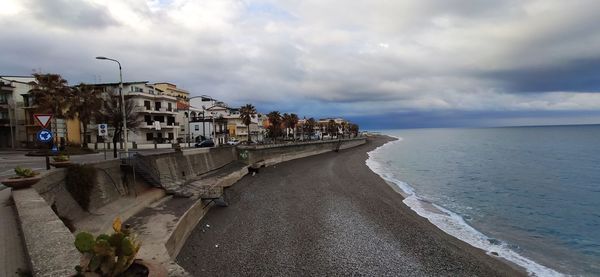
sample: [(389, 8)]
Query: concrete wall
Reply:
[(108, 187), (271, 154), (181, 166), (48, 242)]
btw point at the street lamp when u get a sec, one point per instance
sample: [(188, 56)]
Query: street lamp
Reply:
[(122, 102)]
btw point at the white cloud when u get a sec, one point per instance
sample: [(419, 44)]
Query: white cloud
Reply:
[(359, 56)]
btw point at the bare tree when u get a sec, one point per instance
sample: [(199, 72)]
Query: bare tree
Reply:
[(110, 113)]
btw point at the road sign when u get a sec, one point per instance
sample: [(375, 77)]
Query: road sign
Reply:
[(44, 135), (103, 129), (43, 119), (54, 149)]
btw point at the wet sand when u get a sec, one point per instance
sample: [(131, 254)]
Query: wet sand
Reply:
[(326, 215)]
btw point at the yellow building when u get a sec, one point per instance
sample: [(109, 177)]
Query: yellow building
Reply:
[(172, 90)]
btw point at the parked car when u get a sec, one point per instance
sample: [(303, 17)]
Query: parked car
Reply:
[(205, 143), (233, 141)]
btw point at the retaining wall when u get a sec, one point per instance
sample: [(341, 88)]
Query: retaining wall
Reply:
[(181, 166), (272, 154), (108, 187)]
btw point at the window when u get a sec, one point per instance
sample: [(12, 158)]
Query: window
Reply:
[(147, 105), (197, 127), (169, 107), (149, 136), (160, 118), (157, 106), (171, 136), (148, 119)]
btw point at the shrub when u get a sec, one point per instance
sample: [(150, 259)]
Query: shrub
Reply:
[(80, 181)]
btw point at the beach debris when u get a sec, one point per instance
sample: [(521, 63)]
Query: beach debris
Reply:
[(216, 246), (207, 226), (253, 173), (495, 253)]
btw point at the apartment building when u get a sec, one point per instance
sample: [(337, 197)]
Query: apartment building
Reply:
[(156, 113)]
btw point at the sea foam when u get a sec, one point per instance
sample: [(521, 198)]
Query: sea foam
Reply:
[(450, 222)]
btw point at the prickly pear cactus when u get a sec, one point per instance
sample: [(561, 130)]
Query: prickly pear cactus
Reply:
[(107, 255)]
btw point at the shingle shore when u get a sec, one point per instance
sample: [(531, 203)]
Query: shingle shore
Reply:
[(326, 215)]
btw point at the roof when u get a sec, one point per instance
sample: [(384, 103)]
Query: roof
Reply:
[(18, 79), (116, 84)]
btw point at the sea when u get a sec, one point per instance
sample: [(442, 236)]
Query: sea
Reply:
[(530, 195)]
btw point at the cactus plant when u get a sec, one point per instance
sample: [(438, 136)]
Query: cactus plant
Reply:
[(24, 172), (107, 255), (61, 158)]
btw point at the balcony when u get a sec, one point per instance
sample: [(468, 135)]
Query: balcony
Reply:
[(163, 125)]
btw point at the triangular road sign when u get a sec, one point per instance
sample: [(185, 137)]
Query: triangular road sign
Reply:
[(43, 119)]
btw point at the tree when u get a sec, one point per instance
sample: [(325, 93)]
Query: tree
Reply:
[(293, 122), (309, 127), (51, 94), (85, 105), (331, 127), (290, 121), (353, 129), (111, 114), (275, 121), (247, 113)]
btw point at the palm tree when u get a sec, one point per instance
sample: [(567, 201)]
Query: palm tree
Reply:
[(310, 127), (353, 129), (247, 113), (331, 127), (293, 122), (51, 94), (85, 105), (275, 121), (111, 114), (290, 121)]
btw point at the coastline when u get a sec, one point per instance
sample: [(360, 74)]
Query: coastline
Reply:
[(328, 214), (453, 224)]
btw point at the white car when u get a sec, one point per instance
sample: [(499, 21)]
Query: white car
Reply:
[(233, 142)]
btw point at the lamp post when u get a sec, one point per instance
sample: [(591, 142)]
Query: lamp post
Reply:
[(122, 102)]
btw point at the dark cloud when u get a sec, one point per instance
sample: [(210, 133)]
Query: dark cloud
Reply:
[(70, 13), (578, 75)]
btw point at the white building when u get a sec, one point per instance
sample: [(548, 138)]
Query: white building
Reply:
[(13, 118), (157, 113)]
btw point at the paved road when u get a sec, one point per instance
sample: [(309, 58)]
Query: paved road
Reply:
[(10, 159)]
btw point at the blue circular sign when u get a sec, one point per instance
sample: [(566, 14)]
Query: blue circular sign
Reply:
[(44, 135)]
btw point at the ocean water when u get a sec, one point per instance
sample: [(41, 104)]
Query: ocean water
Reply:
[(528, 194)]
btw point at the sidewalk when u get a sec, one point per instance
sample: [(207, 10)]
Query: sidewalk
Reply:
[(12, 253)]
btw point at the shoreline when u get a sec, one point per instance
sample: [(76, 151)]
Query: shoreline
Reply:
[(341, 218), (432, 212)]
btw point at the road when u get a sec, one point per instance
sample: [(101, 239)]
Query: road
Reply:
[(9, 159)]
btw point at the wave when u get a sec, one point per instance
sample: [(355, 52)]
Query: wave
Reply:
[(451, 222)]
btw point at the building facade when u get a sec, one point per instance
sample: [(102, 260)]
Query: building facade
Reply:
[(156, 113)]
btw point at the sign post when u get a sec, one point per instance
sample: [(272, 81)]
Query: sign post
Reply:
[(103, 131), (44, 135)]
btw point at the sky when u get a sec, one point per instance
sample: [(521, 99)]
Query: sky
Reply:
[(381, 63)]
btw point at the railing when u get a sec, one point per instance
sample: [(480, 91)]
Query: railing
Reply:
[(294, 143), (146, 169)]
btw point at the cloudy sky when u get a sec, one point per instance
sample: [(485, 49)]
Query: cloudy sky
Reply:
[(382, 63)]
